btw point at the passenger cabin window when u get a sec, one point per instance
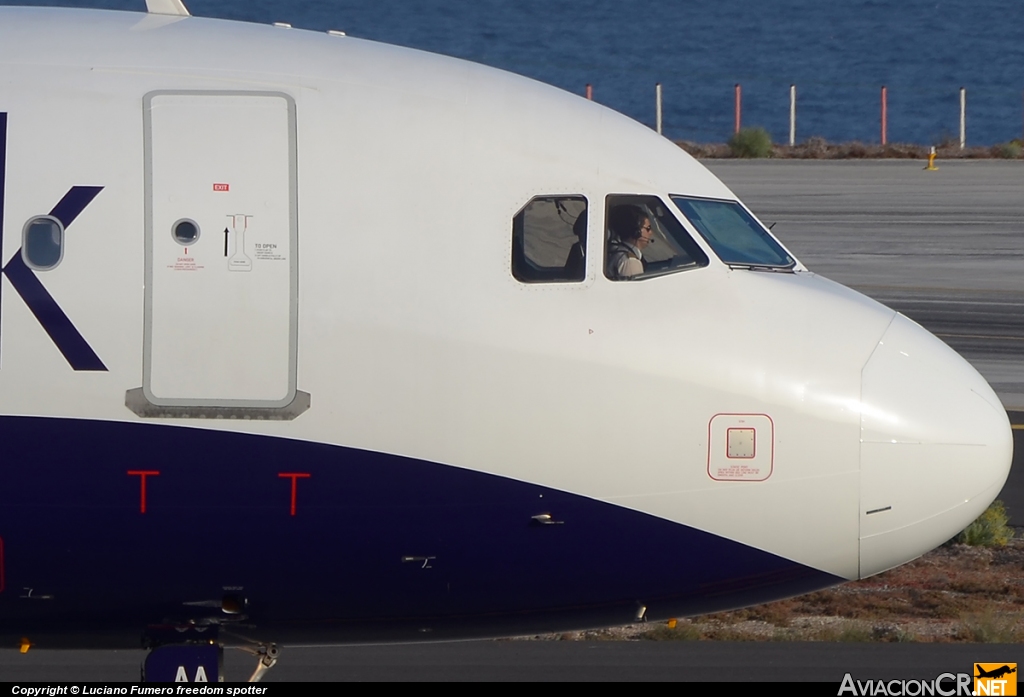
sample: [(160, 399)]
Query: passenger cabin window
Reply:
[(549, 240), (737, 238), (42, 243), (643, 240)]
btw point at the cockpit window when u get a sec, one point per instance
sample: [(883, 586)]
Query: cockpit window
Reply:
[(732, 232), (643, 239), (549, 240)]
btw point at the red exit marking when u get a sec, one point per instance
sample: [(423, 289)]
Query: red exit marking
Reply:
[(222, 187), (295, 477), (143, 474)]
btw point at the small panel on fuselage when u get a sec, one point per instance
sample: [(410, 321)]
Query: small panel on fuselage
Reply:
[(741, 447), (220, 300)]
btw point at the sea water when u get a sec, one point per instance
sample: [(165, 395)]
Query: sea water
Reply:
[(838, 54)]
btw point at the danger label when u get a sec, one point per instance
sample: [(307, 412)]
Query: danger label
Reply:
[(185, 264)]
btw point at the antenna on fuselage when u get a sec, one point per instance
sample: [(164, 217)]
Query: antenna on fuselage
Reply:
[(167, 7)]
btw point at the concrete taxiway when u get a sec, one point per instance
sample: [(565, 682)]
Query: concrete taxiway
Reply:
[(577, 661)]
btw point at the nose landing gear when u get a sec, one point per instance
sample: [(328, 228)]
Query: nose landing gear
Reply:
[(202, 662), (266, 656)]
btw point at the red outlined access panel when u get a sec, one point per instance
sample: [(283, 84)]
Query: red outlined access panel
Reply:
[(750, 457)]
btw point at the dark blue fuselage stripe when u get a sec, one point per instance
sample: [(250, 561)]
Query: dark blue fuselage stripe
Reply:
[(73, 203), (375, 546), (69, 341)]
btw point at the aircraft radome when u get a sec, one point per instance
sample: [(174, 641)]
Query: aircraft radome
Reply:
[(307, 339)]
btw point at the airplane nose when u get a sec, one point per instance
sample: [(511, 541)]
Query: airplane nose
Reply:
[(936, 446)]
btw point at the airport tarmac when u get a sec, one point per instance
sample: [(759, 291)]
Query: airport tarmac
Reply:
[(549, 661), (946, 248)]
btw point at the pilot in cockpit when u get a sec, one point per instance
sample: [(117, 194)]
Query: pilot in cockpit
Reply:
[(631, 234)]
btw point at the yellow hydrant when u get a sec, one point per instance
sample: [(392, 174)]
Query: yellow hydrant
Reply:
[(931, 161)]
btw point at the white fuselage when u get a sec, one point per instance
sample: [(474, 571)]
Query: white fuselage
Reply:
[(384, 182)]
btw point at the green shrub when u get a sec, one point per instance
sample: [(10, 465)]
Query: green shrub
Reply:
[(991, 628), (989, 530), (1008, 151), (751, 142), (854, 632)]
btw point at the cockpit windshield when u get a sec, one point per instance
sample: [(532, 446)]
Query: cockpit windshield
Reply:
[(737, 238)]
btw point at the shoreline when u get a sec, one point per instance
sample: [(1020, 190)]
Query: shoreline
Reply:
[(815, 148)]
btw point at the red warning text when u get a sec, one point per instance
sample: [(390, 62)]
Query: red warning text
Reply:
[(294, 476), (142, 494)]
